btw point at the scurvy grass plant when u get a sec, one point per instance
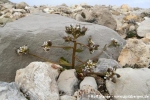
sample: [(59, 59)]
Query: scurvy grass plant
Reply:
[(86, 67)]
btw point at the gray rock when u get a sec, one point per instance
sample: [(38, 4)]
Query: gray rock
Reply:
[(38, 81), (103, 64), (144, 28), (88, 81), (67, 81), (21, 5), (34, 29), (10, 91), (79, 17), (104, 17), (133, 82)]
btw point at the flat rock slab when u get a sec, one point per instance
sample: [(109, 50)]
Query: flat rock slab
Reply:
[(34, 29), (134, 84)]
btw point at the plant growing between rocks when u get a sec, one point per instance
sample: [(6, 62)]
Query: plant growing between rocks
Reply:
[(86, 68)]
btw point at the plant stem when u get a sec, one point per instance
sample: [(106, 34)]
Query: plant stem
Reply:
[(41, 58), (61, 47), (74, 52), (83, 45), (104, 49), (79, 60)]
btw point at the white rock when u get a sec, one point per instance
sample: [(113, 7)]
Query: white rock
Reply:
[(147, 35), (135, 52), (38, 81), (67, 97), (66, 81), (144, 28), (88, 81), (132, 28), (88, 93), (18, 10), (133, 82), (10, 91)]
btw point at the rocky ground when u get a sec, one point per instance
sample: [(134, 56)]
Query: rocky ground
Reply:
[(35, 79)]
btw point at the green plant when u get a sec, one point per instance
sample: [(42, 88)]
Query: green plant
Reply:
[(86, 68), (73, 34)]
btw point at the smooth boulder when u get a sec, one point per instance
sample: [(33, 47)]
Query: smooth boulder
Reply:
[(134, 84), (35, 29)]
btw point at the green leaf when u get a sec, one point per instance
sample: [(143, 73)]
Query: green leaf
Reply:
[(67, 48), (79, 50), (64, 62)]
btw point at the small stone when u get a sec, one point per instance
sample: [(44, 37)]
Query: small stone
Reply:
[(88, 81), (67, 97), (132, 28), (21, 5), (67, 81)]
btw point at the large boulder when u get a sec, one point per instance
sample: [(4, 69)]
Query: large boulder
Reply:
[(135, 52), (34, 29), (98, 15), (38, 81), (10, 91), (21, 5), (134, 84)]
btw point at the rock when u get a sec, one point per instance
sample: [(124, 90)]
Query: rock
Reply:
[(103, 64), (67, 81), (76, 8), (125, 25), (130, 17), (66, 97), (125, 8), (21, 32), (10, 91), (78, 17), (3, 21), (8, 5), (104, 17), (133, 82), (143, 28), (38, 81), (132, 28), (88, 15), (88, 93), (18, 10), (147, 36), (21, 5), (17, 15), (88, 81), (135, 52)]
